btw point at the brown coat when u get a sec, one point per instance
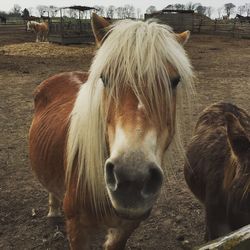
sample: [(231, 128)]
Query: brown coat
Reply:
[(218, 166)]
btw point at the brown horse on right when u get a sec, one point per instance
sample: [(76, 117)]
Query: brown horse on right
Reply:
[(217, 168)]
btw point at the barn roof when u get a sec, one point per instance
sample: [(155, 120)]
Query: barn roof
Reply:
[(178, 11), (78, 7)]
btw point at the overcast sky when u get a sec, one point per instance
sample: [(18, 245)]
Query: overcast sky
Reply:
[(6, 5)]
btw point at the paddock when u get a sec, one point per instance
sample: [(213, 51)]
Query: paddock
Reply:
[(222, 68), (198, 23), (72, 30)]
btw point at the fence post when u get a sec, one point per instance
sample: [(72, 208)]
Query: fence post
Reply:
[(234, 25), (200, 25), (61, 23), (192, 22)]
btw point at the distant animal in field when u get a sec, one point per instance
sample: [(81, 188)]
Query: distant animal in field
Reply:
[(217, 167), (98, 139), (243, 19), (41, 30), (3, 19)]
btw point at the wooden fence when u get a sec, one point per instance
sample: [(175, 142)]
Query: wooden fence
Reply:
[(69, 32), (201, 24), (220, 27), (237, 240)]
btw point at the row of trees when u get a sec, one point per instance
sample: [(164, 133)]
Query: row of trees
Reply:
[(129, 11), (228, 9), (126, 11), (189, 6), (244, 9)]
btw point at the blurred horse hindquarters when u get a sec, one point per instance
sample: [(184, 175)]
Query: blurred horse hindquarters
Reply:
[(217, 168)]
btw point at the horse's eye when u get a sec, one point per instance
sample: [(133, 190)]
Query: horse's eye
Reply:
[(104, 80), (175, 81)]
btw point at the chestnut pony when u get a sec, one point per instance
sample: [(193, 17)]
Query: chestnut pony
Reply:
[(97, 140), (217, 169), (41, 30)]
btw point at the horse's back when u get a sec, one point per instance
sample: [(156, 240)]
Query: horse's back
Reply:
[(209, 149), (54, 100), (41, 27), (44, 26), (58, 88)]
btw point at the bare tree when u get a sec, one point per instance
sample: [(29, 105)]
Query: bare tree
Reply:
[(209, 11), (41, 9), (16, 10), (151, 9), (100, 9), (120, 12), (138, 13), (247, 7), (30, 9), (201, 9), (192, 6), (129, 11), (241, 9), (219, 10), (52, 10), (179, 6), (110, 11), (229, 8)]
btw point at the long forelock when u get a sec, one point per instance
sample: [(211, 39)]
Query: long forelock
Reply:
[(134, 56)]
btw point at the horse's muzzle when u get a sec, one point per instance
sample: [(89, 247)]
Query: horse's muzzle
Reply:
[(133, 188)]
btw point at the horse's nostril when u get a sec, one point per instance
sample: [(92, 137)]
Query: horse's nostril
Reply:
[(110, 176), (153, 182)]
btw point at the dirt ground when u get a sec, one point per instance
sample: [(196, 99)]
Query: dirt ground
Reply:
[(223, 73)]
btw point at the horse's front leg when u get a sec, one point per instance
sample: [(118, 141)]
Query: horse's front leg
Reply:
[(79, 232), (37, 37), (43, 37), (216, 224), (79, 225), (46, 37), (54, 206), (117, 237)]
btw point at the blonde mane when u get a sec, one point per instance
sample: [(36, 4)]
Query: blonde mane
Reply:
[(134, 55), (31, 24)]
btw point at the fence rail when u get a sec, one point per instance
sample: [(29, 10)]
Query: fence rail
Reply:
[(237, 240), (233, 28), (202, 24)]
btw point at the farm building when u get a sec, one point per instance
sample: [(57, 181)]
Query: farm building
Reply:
[(179, 20), (67, 30)]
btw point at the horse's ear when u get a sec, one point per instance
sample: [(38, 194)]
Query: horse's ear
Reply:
[(99, 27), (183, 37), (238, 139)]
